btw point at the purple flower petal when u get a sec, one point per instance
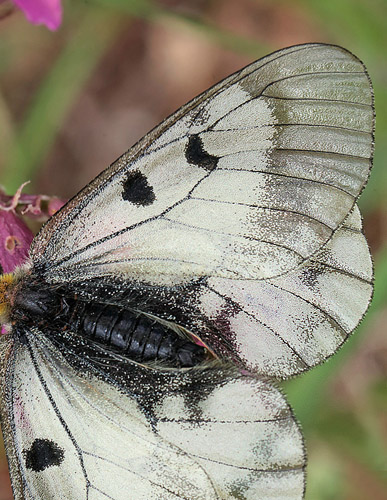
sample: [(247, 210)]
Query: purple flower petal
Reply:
[(15, 241), (48, 12)]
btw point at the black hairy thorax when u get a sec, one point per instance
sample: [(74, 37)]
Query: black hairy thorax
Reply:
[(135, 335)]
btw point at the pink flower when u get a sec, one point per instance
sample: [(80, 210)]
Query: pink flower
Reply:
[(15, 235), (48, 12)]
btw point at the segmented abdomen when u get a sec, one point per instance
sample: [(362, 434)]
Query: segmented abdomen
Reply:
[(139, 337)]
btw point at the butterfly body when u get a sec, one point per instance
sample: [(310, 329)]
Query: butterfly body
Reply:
[(126, 330), (232, 225)]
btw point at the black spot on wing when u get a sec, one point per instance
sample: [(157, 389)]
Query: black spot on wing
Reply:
[(197, 155), (42, 455), (137, 190)]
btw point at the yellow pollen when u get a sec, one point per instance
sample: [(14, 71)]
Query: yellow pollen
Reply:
[(6, 281)]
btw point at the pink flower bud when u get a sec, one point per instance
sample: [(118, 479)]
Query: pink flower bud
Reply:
[(48, 12), (54, 204), (33, 206)]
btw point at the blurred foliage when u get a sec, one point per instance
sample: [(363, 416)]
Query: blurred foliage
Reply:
[(341, 404), (57, 93)]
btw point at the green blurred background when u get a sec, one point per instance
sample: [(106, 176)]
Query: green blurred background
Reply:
[(74, 100)]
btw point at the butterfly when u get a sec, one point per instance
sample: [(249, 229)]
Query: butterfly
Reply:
[(159, 306)]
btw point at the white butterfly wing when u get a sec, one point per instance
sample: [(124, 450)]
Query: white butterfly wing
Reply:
[(222, 219), (77, 436), (247, 181)]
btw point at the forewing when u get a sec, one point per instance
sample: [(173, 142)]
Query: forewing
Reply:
[(247, 181), (144, 434)]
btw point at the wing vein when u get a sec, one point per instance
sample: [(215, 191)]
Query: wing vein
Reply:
[(314, 73), (315, 99), (334, 153), (344, 333), (250, 238), (237, 306), (288, 176), (265, 208)]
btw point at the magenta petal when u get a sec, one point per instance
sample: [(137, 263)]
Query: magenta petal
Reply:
[(15, 241), (48, 12)]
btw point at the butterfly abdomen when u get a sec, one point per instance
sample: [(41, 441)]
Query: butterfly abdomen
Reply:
[(140, 337), (129, 332)]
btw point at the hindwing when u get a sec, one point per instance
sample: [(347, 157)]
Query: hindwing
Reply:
[(82, 431)]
